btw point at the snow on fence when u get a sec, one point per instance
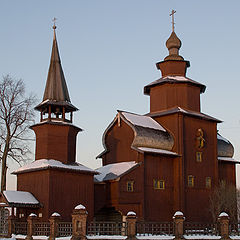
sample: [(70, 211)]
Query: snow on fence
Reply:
[(193, 228), (154, 228)]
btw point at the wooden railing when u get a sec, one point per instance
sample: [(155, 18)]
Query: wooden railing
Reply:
[(107, 228), (154, 228)]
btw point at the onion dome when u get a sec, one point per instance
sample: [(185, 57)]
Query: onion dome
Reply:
[(173, 44), (225, 148)]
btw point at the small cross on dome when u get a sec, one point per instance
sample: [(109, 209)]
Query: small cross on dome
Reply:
[(173, 23)]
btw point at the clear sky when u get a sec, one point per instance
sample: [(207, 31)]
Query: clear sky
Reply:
[(109, 49)]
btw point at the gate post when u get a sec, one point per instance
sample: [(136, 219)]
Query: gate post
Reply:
[(178, 220), (11, 225), (79, 223), (131, 225), (30, 226), (54, 225), (224, 225)]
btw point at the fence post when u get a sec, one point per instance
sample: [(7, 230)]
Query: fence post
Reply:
[(79, 223), (54, 224), (224, 225), (30, 226), (11, 225), (178, 219), (131, 225)]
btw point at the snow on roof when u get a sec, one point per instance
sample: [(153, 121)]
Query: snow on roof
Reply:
[(46, 164), (228, 159), (219, 137), (185, 111), (143, 121), (156, 150), (113, 171), (20, 197)]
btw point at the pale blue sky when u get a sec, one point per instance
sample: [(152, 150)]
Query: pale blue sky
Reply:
[(109, 49)]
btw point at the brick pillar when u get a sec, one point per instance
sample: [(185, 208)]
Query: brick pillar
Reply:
[(11, 225), (224, 225), (131, 225), (79, 223), (54, 223), (178, 220), (30, 226)]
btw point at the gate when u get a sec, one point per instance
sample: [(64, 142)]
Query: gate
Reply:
[(4, 213)]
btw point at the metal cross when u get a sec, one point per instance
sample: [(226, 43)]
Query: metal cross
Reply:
[(173, 23), (54, 21)]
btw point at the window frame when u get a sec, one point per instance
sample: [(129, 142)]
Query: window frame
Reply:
[(208, 182), (199, 156), (191, 179), (159, 184), (130, 186)]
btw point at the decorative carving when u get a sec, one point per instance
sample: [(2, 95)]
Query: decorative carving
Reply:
[(200, 138)]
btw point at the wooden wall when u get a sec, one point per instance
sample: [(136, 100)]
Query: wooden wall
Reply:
[(59, 191)]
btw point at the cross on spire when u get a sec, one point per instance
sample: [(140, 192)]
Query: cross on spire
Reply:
[(54, 23), (173, 23)]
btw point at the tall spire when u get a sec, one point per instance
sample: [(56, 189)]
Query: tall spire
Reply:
[(56, 98), (56, 87)]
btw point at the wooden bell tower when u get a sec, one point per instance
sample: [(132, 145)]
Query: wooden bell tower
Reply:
[(55, 134)]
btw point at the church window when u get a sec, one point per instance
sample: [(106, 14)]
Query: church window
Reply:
[(191, 181), (130, 186), (158, 184), (208, 182), (199, 156)]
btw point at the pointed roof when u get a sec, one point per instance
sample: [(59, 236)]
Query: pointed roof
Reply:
[(56, 91), (56, 87)]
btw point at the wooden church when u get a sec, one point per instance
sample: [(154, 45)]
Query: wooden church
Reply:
[(167, 160)]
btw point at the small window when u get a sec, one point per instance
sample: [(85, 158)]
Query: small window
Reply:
[(199, 156), (130, 186), (158, 184), (208, 182), (191, 181)]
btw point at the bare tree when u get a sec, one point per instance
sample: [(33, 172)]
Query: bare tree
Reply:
[(224, 199), (16, 115)]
